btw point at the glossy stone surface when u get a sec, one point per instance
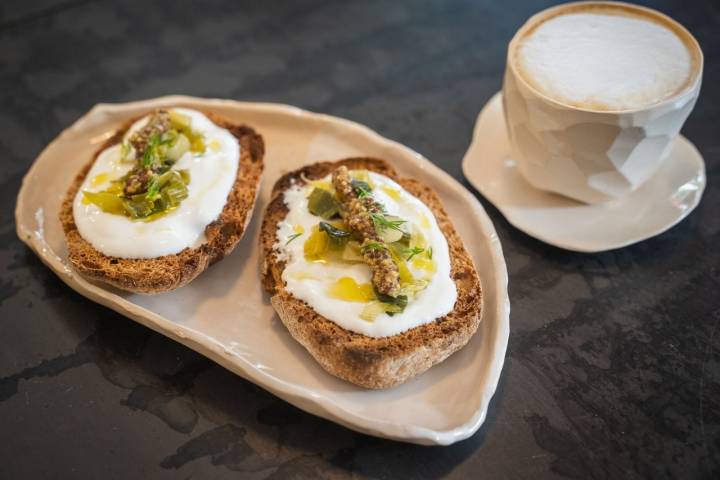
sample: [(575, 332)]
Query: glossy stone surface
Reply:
[(613, 367)]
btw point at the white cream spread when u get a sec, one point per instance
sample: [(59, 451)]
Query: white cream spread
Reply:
[(310, 281), (212, 175)]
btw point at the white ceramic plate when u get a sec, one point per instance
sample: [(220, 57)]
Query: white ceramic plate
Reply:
[(225, 315), (668, 197)]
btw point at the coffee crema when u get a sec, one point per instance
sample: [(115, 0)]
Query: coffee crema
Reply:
[(604, 59)]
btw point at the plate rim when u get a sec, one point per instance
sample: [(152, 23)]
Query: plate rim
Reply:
[(241, 366), (574, 247)]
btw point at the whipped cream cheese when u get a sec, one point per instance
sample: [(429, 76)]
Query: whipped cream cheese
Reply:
[(310, 281), (212, 175)]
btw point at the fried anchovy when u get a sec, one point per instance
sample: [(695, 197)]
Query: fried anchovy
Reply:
[(385, 274)]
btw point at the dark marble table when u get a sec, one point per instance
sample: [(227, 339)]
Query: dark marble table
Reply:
[(613, 365)]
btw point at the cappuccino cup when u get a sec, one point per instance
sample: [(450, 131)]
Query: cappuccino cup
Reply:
[(594, 95)]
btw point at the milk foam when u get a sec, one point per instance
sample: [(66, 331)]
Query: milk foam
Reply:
[(604, 61)]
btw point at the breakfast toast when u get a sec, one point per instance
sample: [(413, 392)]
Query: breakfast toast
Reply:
[(168, 272), (371, 362)]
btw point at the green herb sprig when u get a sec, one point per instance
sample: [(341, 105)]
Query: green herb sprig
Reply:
[(381, 221), (292, 237), (370, 246), (411, 252), (152, 155), (362, 189)]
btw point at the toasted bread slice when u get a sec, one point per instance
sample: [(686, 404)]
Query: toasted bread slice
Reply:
[(169, 272), (367, 361)]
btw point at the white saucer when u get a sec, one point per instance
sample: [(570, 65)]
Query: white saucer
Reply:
[(662, 202)]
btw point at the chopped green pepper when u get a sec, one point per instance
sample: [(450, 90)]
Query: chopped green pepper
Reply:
[(322, 204)]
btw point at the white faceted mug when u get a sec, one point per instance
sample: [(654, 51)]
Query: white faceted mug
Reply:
[(592, 155)]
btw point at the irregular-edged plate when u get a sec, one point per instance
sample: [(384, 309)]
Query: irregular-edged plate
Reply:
[(225, 315)]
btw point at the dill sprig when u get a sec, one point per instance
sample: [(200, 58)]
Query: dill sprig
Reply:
[(369, 246), (292, 237), (381, 221), (411, 252), (362, 189)]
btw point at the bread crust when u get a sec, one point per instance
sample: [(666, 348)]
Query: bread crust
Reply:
[(367, 361), (161, 274)]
